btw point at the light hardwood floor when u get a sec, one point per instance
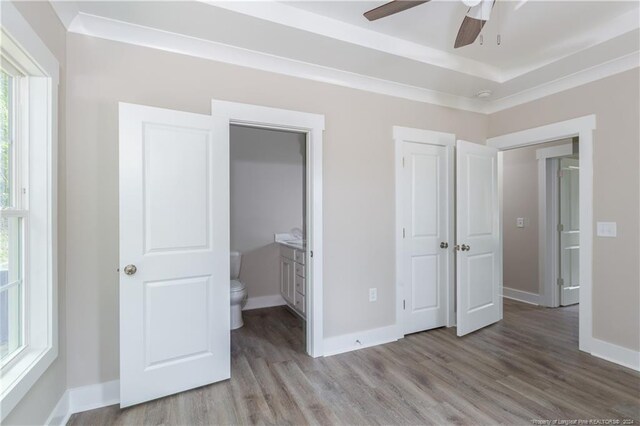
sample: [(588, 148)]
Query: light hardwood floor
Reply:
[(524, 368)]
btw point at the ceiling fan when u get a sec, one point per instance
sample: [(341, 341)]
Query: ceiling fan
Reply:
[(478, 14)]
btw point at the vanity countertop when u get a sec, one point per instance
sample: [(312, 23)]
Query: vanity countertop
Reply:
[(295, 244), (290, 241)]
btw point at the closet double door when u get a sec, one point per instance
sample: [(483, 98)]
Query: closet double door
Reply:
[(449, 251)]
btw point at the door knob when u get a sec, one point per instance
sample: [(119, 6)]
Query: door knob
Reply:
[(130, 269), (465, 247), (444, 245)]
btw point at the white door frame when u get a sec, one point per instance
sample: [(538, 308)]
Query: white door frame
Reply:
[(548, 220), (448, 140), (313, 126), (583, 128)]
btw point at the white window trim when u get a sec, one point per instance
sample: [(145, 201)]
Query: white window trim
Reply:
[(20, 42)]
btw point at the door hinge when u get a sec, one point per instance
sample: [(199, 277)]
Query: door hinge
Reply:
[(311, 253), (404, 233), (404, 304), (560, 227), (402, 161), (560, 282)]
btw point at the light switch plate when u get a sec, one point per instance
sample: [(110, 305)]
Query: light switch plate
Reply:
[(373, 294), (520, 222), (607, 229)]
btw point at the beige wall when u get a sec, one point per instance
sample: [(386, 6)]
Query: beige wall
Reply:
[(38, 403), (267, 197), (616, 280), (358, 194), (358, 180), (520, 199)]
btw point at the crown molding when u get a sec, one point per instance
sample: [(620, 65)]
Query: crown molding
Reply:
[(125, 32), (606, 69), (290, 16), (621, 25), (284, 14)]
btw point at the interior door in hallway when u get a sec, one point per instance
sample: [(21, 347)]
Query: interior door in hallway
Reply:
[(174, 252), (569, 282), (478, 246), (425, 244)]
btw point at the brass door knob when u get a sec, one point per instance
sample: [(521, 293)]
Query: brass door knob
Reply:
[(130, 269)]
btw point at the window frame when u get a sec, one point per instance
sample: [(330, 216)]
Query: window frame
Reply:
[(39, 130), (19, 201)]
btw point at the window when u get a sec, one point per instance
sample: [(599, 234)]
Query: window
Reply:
[(28, 128), (11, 223)]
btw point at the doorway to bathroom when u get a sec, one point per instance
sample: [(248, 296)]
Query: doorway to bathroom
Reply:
[(267, 177), (275, 156)]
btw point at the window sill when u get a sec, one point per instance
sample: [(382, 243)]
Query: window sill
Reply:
[(21, 374)]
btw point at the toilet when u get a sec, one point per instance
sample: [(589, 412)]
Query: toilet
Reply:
[(238, 291)]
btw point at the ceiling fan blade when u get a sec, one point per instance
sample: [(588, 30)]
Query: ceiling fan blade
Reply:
[(469, 31), (473, 22), (391, 8)]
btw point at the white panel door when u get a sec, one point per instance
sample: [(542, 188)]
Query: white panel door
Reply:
[(425, 244), (569, 232), (174, 230), (478, 247)]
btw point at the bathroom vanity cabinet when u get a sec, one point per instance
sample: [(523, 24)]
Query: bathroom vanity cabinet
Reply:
[(293, 278)]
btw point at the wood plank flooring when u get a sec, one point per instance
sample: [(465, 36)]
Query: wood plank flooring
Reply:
[(525, 368)]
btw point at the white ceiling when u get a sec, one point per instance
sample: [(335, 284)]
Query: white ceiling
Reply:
[(546, 45), (538, 31)]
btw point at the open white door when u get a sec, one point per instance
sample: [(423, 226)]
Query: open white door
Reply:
[(479, 247), (425, 251), (174, 252), (569, 229)]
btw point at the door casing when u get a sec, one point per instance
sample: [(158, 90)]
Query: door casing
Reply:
[(447, 140), (312, 125), (548, 241), (583, 128)]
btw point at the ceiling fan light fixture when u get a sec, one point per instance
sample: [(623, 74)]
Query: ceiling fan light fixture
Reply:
[(471, 3), (483, 94)]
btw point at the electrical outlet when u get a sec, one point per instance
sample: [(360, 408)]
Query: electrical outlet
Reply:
[(520, 222), (373, 294)]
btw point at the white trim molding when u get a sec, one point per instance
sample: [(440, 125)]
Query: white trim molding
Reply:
[(616, 354), (20, 43), (125, 32), (360, 340), (111, 29), (548, 220), (597, 72), (313, 126), (583, 128), (521, 296), (84, 398), (290, 16), (264, 302)]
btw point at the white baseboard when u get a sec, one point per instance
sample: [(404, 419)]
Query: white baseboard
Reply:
[(264, 302), (84, 398), (521, 296), (360, 340), (61, 413), (617, 354)]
